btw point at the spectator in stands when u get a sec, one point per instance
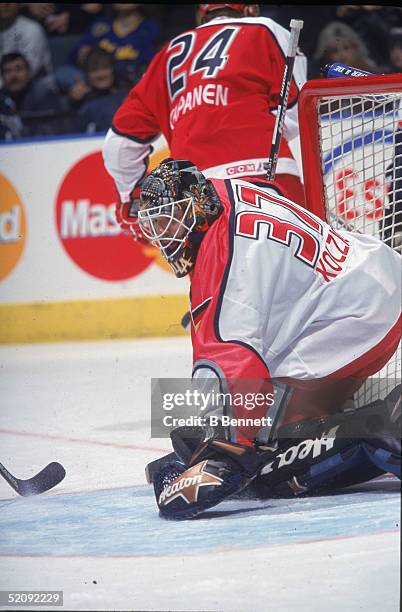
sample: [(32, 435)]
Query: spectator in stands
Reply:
[(395, 52), (102, 93), (373, 24), (37, 102), (10, 122), (129, 36), (19, 34), (313, 16), (63, 18), (173, 19), (337, 42)]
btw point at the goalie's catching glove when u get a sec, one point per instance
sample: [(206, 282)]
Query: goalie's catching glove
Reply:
[(201, 473)]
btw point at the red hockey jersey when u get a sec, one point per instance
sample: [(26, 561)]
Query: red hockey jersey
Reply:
[(213, 93)]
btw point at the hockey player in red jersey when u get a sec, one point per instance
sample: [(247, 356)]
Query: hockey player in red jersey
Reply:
[(277, 296), (213, 93)]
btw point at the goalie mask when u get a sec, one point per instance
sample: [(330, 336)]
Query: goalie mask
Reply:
[(177, 207)]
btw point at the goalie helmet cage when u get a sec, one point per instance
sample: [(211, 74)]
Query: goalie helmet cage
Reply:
[(351, 147)]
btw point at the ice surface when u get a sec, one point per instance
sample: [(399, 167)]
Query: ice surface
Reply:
[(98, 536)]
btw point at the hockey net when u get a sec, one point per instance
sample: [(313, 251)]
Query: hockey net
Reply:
[(351, 145)]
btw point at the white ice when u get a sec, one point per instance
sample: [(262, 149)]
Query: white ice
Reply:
[(97, 536)]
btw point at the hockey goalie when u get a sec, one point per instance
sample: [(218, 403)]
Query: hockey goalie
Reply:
[(279, 298)]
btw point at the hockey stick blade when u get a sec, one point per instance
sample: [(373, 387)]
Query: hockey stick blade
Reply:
[(46, 479)]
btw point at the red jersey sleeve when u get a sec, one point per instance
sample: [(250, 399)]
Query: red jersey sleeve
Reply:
[(139, 117)]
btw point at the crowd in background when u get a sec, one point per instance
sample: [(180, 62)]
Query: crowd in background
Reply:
[(66, 68)]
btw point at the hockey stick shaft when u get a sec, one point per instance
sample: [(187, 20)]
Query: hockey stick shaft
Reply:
[(46, 479), (295, 27)]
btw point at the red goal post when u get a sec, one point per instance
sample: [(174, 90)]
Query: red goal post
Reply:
[(388, 86), (351, 150)]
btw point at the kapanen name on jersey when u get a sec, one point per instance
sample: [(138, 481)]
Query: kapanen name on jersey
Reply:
[(212, 93)]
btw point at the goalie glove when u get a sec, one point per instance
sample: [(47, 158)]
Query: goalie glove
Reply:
[(126, 215), (202, 472)]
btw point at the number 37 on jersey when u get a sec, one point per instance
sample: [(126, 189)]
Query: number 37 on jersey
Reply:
[(279, 220)]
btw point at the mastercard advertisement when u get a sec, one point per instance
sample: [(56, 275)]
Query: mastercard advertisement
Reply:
[(88, 230), (67, 269), (13, 227), (82, 199)]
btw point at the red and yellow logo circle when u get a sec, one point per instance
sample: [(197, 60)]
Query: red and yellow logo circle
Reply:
[(12, 227), (88, 230)]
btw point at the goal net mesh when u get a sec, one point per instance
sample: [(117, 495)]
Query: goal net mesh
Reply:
[(360, 140)]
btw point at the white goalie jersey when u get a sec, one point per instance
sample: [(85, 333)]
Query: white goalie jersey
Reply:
[(276, 292)]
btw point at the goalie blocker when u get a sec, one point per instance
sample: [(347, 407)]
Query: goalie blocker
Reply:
[(307, 456)]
